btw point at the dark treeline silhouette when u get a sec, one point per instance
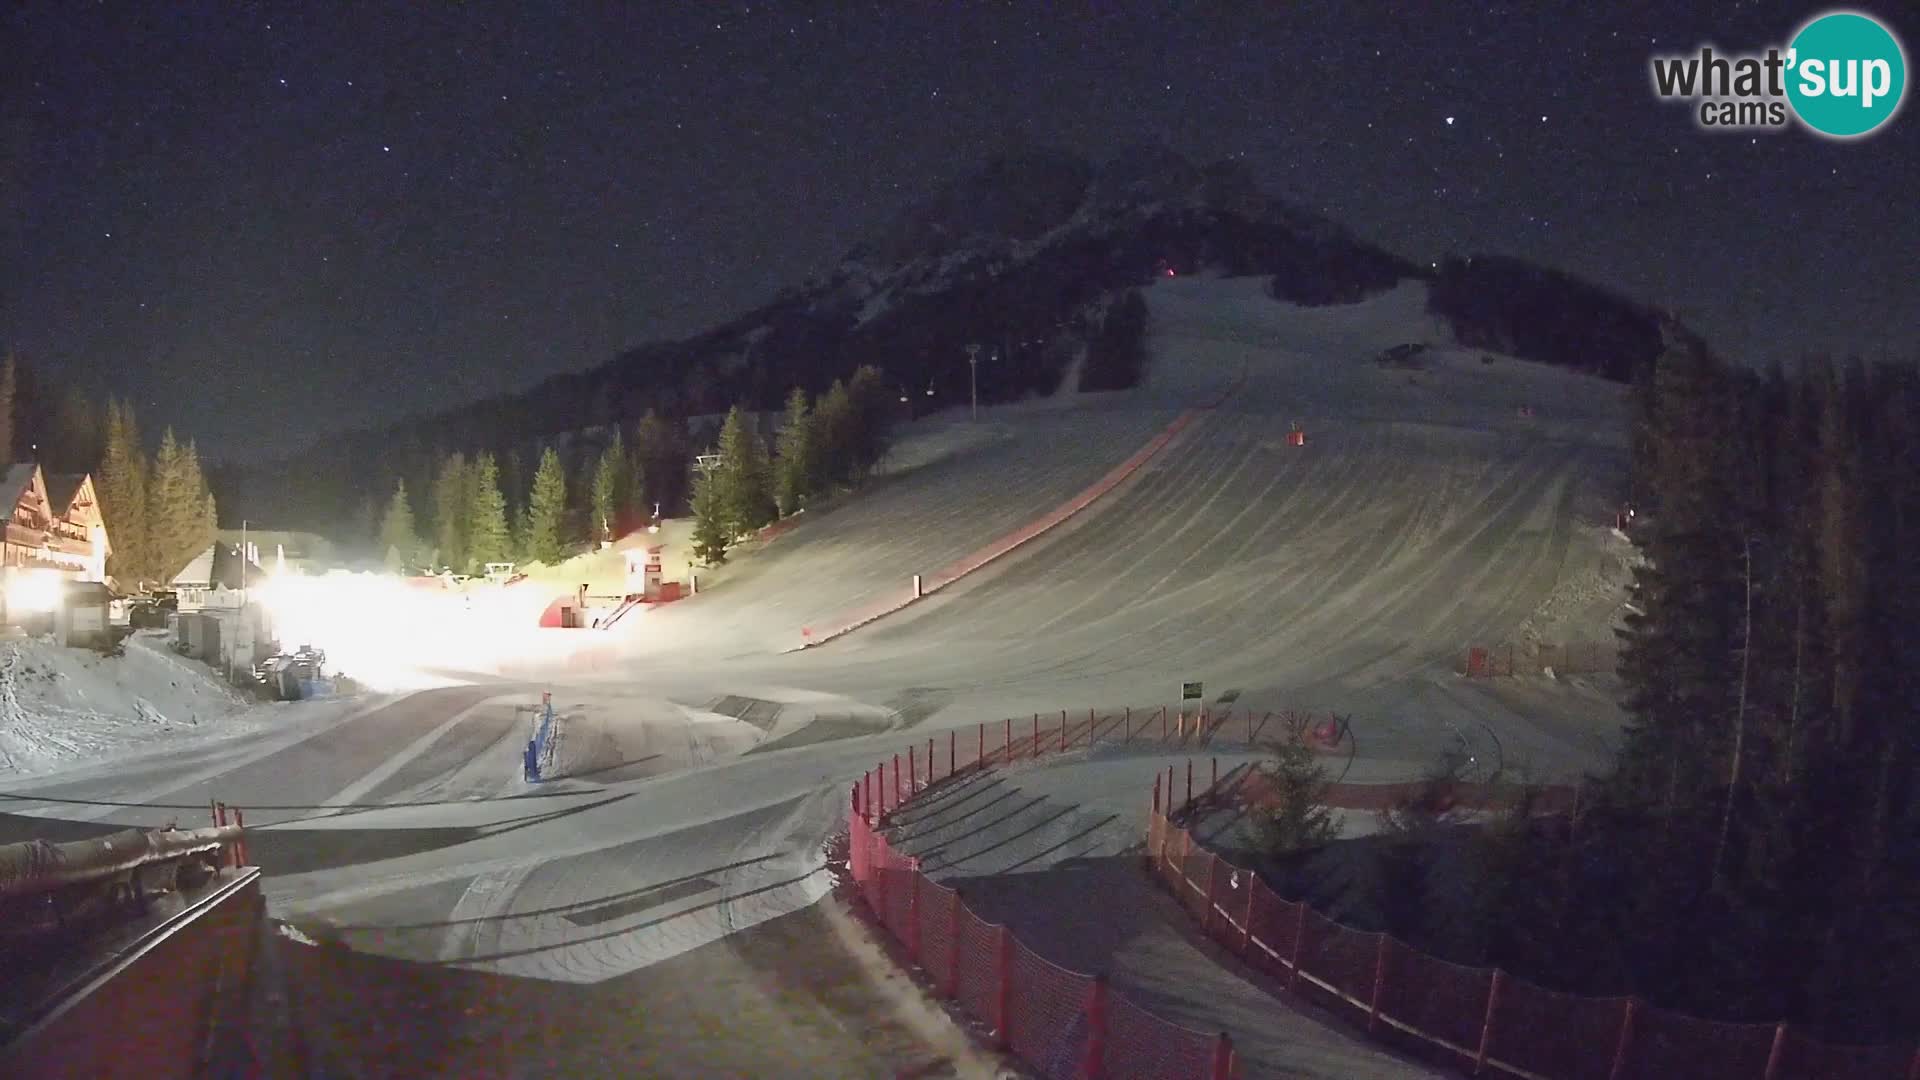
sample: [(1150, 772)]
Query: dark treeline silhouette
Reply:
[(1512, 306), (1755, 853)]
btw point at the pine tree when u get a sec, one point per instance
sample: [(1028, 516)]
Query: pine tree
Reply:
[(9, 386), (743, 476), (546, 529), (452, 516), (1677, 657), (488, 539), (873, 405), (836, 429), (611, 490), (200, 519), (397, 536), (798, 463), (711, 528), (660, 463), (122, 488), (171, 510), (77, 440)]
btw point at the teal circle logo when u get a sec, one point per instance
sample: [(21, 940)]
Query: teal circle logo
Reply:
[(1846, 74)]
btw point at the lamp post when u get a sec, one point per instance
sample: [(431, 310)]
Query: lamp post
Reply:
[(973, 377)]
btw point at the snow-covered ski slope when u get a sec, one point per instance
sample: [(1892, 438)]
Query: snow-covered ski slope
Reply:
[(911, 521), (1429, 510), (1379, 547)]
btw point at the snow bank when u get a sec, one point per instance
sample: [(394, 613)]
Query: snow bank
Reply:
[(61, 706)]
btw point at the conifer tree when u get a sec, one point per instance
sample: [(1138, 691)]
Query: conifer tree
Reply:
[(200, 516), (171, 510), (659, 463), (798, 464), (397, 535), (836, 426), (546, 529), (711, 527), (122, 488), (9, 387), (488, 539), (743, 476), (612, 498), (452, 519)]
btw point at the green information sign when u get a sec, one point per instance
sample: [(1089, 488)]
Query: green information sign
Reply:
[(1190, 691)]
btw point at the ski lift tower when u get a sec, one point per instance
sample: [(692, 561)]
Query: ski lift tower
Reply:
[(973, 376)]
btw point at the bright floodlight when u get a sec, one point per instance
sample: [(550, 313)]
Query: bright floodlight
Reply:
[(33, 590), (390, 632)]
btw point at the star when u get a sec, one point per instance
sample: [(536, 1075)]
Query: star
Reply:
[(1449, 121)]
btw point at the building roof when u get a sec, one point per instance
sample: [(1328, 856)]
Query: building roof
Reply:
[(61, 488), (18, 478), (219, 564)]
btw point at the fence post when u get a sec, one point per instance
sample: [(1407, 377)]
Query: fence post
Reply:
[(1215, 781), (240, 843), (953, 752), (913, 909), (1126, 734), (952, 989), (896, 781), (1093, 725), (213, 809), (1379, 984), (1169, 791), (1036, 734), (1494, 986), (1163, 723), (1003, 1001), (1249, 729), (929, 761), (980, 752), (1777, 1051), (1063, 731), (1626, 1039), (1009, 739), (1222, 1057), (913, 770), (1095, 1064), (1156, 792), (1189, 801), (1213, 885)]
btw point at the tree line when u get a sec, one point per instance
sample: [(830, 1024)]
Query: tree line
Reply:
[(158, 510), (158, 507), (477, 510), (832, 443), (1770, 777)]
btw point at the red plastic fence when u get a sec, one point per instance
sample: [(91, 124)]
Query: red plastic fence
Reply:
[(1066, 1023), (1480, 1019)]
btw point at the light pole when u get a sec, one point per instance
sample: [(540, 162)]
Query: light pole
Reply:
[(973, 377)]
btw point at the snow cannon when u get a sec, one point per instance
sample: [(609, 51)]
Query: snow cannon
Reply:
[(1296, 437)]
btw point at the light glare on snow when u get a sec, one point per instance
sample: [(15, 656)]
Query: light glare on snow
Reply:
[(389, 632)]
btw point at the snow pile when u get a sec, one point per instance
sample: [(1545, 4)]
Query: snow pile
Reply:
[(59, 706)]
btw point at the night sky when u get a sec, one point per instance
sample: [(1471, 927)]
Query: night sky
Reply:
[(265, 223)]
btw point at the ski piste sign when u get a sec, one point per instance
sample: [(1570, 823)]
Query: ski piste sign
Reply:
[(1842, 75)]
